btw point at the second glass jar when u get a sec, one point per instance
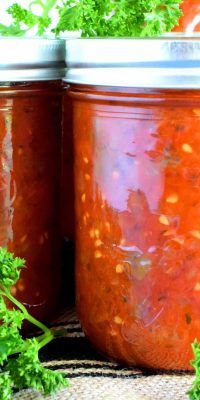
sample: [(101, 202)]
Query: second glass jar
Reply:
[(30, 166)]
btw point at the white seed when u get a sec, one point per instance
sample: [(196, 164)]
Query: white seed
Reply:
[(187, 148), (118, 320), (173, 199), (83, 198), (92, 234), (195, 234), (163, 220), (107, 224), (96, 233), (119, 268), (179, 240), (197, 112), (170, 232), (85, 217), (197, 287), (85, 159), (97, 254), (113, 333), (98, 243)]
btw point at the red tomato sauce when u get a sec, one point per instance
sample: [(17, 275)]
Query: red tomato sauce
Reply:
[(30, 148), (190, 21), (137, 168)]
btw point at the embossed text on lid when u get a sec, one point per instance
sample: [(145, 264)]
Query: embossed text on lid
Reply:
[(167, 62)]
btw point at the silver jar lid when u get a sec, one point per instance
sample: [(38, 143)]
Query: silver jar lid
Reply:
[(167, 62), (27, 59)]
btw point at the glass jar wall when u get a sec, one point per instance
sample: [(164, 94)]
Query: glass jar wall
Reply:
[(30, 146), (30, 167), (138, 230)]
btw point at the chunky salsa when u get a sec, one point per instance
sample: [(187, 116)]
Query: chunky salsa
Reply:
[(30, 148), (190, 21), (137, 168)]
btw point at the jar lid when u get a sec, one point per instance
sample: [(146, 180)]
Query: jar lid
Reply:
[(167, 62), (31, 59)]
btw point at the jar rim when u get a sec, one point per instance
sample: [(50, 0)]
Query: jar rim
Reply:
[(31, 59), (166, 62)]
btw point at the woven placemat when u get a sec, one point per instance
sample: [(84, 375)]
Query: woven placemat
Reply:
[(94, 378)]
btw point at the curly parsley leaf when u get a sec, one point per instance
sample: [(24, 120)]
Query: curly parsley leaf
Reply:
[(194, 393), (25, 19), (20, 367), (5, 386), (119, 18), (12, 30), (27, 371), (102, 18), (10, 268)]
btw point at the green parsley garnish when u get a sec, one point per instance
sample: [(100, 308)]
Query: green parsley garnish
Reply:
[(102, 18), (133, 18), (24, 19), (194, 393), (20, 367)]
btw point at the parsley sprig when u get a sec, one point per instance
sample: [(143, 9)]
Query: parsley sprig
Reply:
[(25, 19), (20, 367), (102, 18), (133, 18), (194, 393)]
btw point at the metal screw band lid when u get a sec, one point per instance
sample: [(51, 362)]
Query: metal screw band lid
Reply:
[(167, 62), (27, 59)]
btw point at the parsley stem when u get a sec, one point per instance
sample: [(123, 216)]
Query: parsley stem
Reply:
[(42, 341), (27, 316), (47, 338), (37, 323), (20, 365)]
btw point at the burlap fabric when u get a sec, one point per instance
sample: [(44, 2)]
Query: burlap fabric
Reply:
[(93, 378)]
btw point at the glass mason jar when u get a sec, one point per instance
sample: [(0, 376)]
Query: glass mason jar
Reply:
[(30, 165), (190, 20), (137, 179)]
